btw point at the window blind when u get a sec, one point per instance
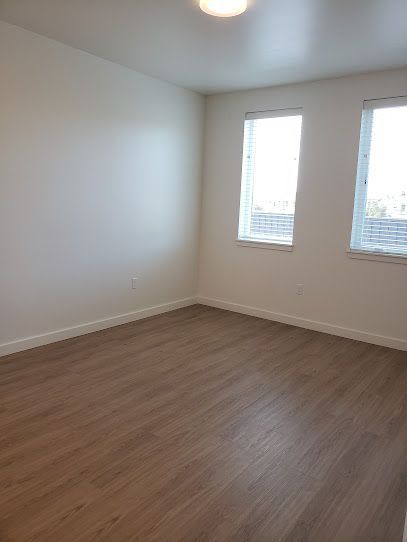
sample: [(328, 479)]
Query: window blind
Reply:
[(380, 209), (269, 176)]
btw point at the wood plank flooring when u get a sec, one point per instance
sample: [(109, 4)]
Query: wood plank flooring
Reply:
[(203, 425)]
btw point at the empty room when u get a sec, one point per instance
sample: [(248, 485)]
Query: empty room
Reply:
[(203, 270)]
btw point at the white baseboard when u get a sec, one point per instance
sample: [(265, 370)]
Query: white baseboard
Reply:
[(381, 340), (90, 327)]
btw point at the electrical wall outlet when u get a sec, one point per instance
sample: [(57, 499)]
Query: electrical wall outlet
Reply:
[(300, 289), (134, 283)]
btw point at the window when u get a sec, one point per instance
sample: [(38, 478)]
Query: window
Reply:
[(380, 211), (269, 176)]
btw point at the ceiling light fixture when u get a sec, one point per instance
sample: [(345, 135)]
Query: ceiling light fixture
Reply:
[(223, 8)]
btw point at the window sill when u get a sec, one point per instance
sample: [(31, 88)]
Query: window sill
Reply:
[(377, 256), (265, 244)]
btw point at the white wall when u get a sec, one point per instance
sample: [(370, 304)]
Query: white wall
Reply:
[(365, 296), (99, 182)]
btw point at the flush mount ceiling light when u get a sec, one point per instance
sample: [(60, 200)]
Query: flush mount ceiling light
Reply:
[(223, 8)]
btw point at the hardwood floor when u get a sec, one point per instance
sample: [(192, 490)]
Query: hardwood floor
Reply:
[(204, 425)]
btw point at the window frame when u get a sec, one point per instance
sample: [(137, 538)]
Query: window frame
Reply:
[(260, 243), (356, 249)]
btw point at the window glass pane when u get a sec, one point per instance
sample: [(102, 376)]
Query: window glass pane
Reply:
[(269, 181), (380, 216), (386, 188)]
